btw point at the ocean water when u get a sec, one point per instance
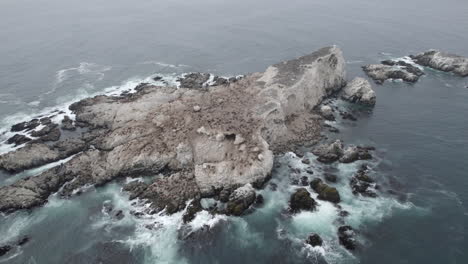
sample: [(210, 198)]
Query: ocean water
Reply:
[(54, 52)]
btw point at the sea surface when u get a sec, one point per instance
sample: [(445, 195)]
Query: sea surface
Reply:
[(54, 52)]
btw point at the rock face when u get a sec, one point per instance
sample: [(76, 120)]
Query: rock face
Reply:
[(380, 73), (443, 61), (301, 200), (228, 143), (324, 191), (359, 91)]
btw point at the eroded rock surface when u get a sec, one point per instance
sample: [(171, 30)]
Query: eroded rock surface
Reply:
[(228, 142), (359, 90), (443, 61)]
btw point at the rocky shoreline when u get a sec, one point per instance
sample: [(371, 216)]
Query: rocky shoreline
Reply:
[(212, 137)]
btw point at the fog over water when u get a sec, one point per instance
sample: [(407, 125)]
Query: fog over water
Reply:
[(53, 52)]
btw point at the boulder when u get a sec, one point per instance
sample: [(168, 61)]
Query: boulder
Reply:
[(314, 240), (4, 249), (362, 183), (67, 124), (443, 61), (240, 200), (327, 112), (359, 91), (192, 209), (346, 236), (329, 153), (27, 125), (301, 200), (325, 192)]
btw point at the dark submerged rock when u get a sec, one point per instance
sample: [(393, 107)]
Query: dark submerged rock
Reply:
[(324, 191), (193, 208), (301, 200)]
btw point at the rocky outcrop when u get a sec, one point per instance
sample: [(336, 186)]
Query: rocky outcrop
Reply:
[(18, 139), (325, 192), (346, 236), (38, 154), (443, 61), (240, 200), (327, 112), (67, 124), (359, 91), (380, 73), (301, 200), (225, 142), (362, 183)]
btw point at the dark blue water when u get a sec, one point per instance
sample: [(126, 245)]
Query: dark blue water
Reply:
[(55, 51)]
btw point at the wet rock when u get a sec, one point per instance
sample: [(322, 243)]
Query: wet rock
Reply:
[(172, 192), (362, 183), (107, 207), (51, 132), (380, 73), (194, 80), (306, 161), (353, 153), (348, 116), (273, 186), (5, 249), (135, 188), (67, 124), (157, 78), (18, 139), (240, 200), (330, 177), (359, 91), (22, 241), (329, 153), (324, 191), (220, 81), (301, 200), (443, 61), (343, 213), (346, 236), (259, 200), (27, 125), (327, 112), (334, 130), (193, 208), (314, 240), (224, 194), (304, 181)]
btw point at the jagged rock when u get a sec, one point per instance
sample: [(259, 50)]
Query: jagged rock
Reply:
[(346, 236), (67, 124), (4, 249), (353, 153), (194, 80), (443, 61), (324, 191), (327, 112), (314, 240), (240, 200), (301, 200), (380, 73), (362, 184), (328, 153), (118, 215), (156, 129), (50, 132), (360, 91), (27, 125), (18, 139), (220, 81), (135, 188)]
